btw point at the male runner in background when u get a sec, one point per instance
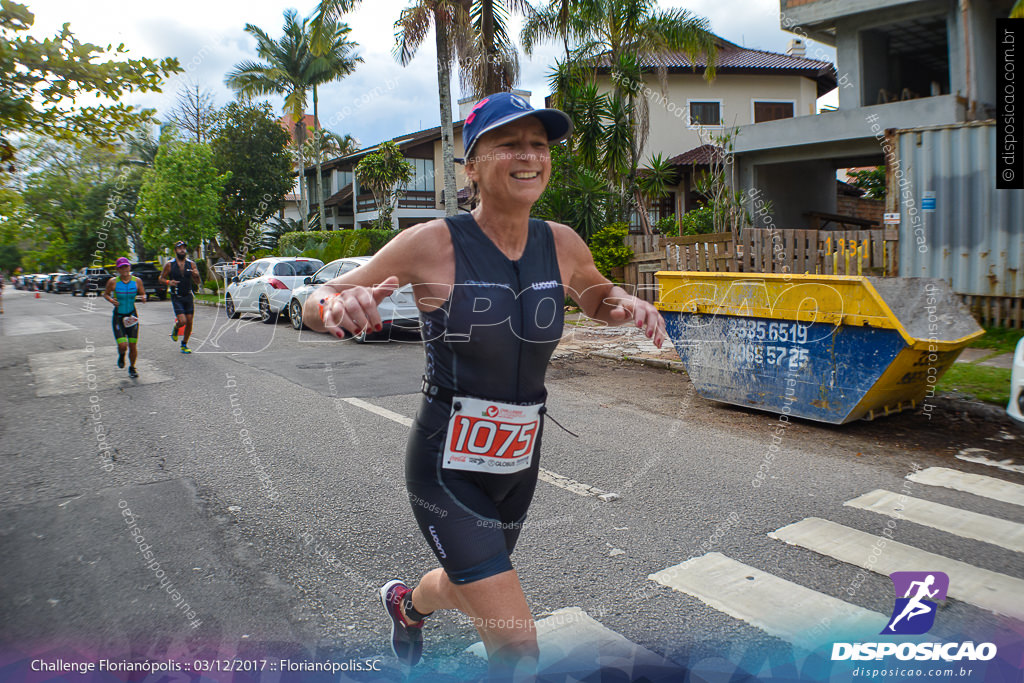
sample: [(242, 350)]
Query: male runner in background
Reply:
[(178, 275)]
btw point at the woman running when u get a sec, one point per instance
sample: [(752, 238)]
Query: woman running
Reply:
[(490, 287), (121, 291)]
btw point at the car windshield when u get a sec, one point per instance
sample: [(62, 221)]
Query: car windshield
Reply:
[(142, 266), (298, 268)]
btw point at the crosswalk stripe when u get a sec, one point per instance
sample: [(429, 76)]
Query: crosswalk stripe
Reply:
[(952, 520), (980, 587), (978, 484), (571, 640), (778, 607), (550, 477)]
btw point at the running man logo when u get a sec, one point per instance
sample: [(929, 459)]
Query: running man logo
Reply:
[(916, 595)]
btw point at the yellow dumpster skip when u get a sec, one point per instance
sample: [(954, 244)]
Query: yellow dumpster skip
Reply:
[(831, 348)]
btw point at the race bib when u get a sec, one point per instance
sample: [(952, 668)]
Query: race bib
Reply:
[(129, 320), (490, 436)]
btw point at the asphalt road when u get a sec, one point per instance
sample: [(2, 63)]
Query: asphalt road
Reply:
[(276, 506)]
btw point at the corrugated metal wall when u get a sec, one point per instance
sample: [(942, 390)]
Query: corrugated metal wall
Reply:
[(974, 237)]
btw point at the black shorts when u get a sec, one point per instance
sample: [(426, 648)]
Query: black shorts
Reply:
[(471, 520), (122, 333), (183, 306)]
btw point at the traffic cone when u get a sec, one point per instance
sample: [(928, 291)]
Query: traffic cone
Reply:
[(37, 294)]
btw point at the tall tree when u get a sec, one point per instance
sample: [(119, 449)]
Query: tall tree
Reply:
[(623, 35), (451, 33), (334, 59), (180, 195), (194, 112), (40, 80), (490, 62), (249, 143), (288, 70), (384, 172)]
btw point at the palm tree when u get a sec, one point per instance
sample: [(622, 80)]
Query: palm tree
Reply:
[(330, 145), (333, 60), (287, 69), (619, 34), (491, 61), (451, 31), (1018, 10)]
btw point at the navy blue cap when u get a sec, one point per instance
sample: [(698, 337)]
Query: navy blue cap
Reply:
[(500, 108)]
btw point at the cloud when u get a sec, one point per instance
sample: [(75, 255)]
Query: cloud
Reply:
[(381, 99)]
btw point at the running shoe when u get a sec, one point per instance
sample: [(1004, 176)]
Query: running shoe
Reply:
[(185, 349), (174, 334), (406, 637), (120, 360), (131, 372)]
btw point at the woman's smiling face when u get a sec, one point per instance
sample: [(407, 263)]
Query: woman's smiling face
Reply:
[(512, 163)]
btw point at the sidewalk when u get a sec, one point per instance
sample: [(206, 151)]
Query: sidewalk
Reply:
[(586, 337)]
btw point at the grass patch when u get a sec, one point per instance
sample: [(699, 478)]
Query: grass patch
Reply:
[(1002, 339), (212, 298), (991, 385)]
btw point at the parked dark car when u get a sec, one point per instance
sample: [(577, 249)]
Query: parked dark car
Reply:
[(61, 282), (150, 276), (89, 280)]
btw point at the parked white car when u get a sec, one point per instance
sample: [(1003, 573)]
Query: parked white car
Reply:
[(265, 287), (398, 310)]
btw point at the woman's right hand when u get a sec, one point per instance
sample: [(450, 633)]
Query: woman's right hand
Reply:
[(354, 308)]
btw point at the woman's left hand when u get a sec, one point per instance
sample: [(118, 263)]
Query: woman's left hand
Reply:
[(644, 314)]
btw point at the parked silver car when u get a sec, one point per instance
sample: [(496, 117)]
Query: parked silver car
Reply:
[(265, 287), (398, 310)]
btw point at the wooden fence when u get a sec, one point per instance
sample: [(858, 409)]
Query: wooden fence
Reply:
[(833, 252), (829, 252)]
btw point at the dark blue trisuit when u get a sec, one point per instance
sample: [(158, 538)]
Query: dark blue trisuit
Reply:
[(491, 339)]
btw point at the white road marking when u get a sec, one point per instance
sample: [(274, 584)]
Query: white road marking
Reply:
[(976, 455), (778, 607), (952, 520), (571, 632), (574, 486), (978, 484), (383, 412), (980, 587), (550, 477)]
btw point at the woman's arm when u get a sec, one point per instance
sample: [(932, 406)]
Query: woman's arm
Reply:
[(349, 302), (108, 289), (597, 297)]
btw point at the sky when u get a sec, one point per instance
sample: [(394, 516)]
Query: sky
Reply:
[(381, 99)]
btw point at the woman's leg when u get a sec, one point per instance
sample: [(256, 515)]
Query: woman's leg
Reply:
[(499, 612), (133, 352)]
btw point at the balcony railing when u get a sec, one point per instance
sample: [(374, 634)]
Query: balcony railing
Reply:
[(412, 199)]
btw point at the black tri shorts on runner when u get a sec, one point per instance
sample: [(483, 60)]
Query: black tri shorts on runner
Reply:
[(471, 520), (183, 306), (124, 333)]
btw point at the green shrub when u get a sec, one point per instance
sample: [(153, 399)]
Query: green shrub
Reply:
[(609, 249), (333, 244), (667, 226), (212, 285), (698, 221), (204, 269)]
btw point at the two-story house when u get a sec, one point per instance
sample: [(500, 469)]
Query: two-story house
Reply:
[(686, 112), (917, 93), (348, 205)]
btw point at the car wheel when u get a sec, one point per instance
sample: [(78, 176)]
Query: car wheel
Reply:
[(229, 307), (266, 315), (295, 313)]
